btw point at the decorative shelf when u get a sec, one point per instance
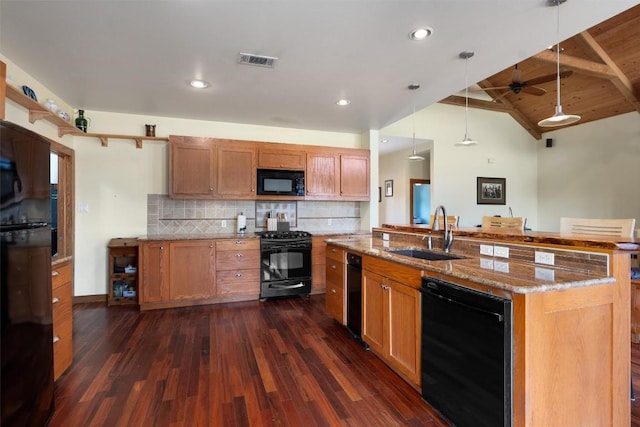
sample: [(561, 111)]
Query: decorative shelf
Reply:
[(37, 111)]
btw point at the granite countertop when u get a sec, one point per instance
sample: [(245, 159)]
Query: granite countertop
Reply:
[(513, 276), (540, 237)]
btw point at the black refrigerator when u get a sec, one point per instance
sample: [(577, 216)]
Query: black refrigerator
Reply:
[(26, 351)]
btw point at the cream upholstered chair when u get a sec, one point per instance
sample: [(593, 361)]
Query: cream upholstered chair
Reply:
[(598, 227), (451, 219), (493, 222)]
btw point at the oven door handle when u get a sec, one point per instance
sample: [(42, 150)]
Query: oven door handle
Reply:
[(286, 246), (297, 285)]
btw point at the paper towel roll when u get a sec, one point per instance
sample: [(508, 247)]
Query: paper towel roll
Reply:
[(242, 223), (272, 224)]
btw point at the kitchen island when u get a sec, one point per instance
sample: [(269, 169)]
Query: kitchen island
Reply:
[(571, 321)]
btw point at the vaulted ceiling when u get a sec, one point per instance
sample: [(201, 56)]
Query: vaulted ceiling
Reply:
[(604, 81)]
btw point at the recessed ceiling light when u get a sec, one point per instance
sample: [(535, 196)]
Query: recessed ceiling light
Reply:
[(343, 102), (420, 33), (198, 84)]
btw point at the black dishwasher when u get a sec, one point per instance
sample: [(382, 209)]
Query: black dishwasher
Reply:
[(466, 354)]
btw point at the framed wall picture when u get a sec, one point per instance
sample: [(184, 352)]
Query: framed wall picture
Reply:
[(491, 191), (388, 188)]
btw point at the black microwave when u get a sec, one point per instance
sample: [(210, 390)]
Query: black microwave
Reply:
[(276, 182)]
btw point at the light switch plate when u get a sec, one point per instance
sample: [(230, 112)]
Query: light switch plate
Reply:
[(501, 251), (486, 250), (223, 223), (544, 258), (385, 236)]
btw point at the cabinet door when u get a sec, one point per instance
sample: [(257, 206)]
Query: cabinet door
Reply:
[(192, 270), (354, 177), (404, 329), (191, 168), (154, 272), (323, 174), (374, 312), (281, 159), (236, 175), (318, 264)]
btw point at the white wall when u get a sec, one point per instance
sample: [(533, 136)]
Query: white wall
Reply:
[(454, 170), (592, 171)]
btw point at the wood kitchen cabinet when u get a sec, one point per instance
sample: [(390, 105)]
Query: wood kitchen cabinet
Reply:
[(122, 273), (354, 176), (192, 166), (192, 270), (281, 158), (335, 300), (154, 272), (62, 303), (323, 175), (236, 171), (391, 315), (238, 269)]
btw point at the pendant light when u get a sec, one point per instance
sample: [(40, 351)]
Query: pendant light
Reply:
[(466, 141), (414, 155), (559, 118)]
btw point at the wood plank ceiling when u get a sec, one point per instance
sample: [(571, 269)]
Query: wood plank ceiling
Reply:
[(605, 78)]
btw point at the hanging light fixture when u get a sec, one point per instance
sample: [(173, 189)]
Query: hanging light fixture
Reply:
[(559, 118), (414, 155), (466, 141)]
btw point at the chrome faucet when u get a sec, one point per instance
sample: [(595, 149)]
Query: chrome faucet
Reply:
[(447, 240)]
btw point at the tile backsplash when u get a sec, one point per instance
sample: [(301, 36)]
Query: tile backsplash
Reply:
[(170, 216)]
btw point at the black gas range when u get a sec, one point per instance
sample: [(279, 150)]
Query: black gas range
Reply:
[(285, 263)]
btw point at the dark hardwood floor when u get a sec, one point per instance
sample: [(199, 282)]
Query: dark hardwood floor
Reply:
[(276, 363)]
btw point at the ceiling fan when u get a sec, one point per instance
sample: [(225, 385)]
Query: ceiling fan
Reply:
[(518, 85)]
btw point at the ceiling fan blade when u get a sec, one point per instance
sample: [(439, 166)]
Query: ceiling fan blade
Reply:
[(532, 90), (548, 78)]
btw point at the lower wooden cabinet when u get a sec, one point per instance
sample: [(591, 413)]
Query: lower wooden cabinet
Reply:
[(335, 277), (62, 296), (238, 269), (191, 272), (391, 321)]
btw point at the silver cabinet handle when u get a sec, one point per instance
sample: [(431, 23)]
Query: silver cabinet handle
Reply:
[(210, 188), (55, 273), (55, 300), (333, 291), (161, 247), (239, 242), (211, 245), (56, 339), (238, 255), (238, 274), (333, 266)]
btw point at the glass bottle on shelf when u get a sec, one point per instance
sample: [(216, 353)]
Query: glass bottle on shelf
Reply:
[(81, 121)]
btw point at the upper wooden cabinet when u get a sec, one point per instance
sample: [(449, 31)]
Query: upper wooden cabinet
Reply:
[(323, 175), (210, 168), (191, 168), (236, 170), (281, 158), (354, 176)]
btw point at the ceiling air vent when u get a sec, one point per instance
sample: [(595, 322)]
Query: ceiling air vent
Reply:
[(259, 60)]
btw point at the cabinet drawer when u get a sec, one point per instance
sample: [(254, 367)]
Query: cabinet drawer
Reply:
[(62, 328), (60, 275), (335, 273), (334, 302), (408, 276), (235, 244), (281, 159), (237, 260), (238, 282), (335, 253)]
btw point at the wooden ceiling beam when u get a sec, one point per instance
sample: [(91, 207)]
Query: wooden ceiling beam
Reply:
[(476, 103), (583, 66), (517, 115), (621, 81)]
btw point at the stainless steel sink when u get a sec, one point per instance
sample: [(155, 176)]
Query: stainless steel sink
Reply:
[(426, 255)]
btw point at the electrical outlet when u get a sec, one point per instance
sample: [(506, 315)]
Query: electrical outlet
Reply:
[(501, 266), (501, 251), (329, 221), (486, 250), (544, 274), (223, 223), (544, 258), (385, 236)]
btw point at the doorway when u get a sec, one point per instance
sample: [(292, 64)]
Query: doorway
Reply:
[(420, 200)]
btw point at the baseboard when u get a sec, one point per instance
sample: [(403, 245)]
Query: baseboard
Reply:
[(86, 299)]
